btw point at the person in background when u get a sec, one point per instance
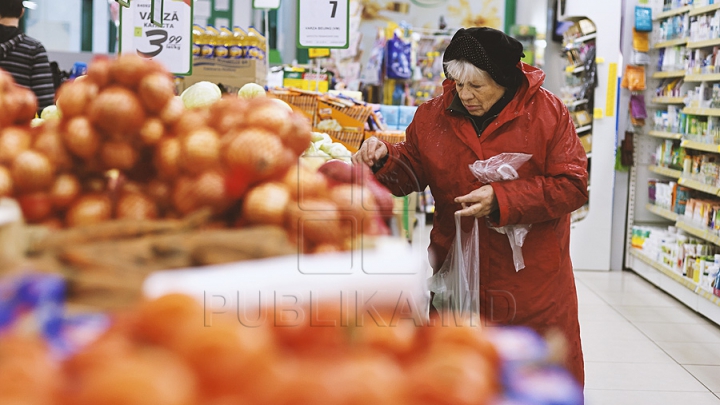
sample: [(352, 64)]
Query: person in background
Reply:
[(23, 57), (493, 103)]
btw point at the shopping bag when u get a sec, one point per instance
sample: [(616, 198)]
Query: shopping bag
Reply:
[(504, 167), (456, 285)]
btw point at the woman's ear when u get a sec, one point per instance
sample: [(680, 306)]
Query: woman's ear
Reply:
[(22, 12)]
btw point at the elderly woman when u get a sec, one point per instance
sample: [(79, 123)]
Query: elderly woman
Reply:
[(493, 103)]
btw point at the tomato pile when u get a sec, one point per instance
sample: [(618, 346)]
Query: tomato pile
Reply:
[(125, 147), (163, 354)]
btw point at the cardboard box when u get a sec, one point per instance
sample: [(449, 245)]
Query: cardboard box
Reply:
[(230, 73)]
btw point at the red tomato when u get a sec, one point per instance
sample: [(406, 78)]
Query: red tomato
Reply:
[(35, 206)]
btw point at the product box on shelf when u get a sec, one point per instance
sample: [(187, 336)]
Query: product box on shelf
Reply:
[(230, 73)]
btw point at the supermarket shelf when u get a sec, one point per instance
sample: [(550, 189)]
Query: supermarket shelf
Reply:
[(576, 103), (698, 232), (707, 77), (696, 185), (666, 75), (704, 9), (673, 12), (665, 135), (705, 147), (703, 44), (710, 112), (672, 42), (665, 213), (666, 172), (682, 288), (668, 100), (583, 129)]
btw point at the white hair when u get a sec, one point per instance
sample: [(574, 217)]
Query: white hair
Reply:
[(463, 71)]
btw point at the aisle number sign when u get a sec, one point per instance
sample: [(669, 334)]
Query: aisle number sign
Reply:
[(159, 30), (323, 24)]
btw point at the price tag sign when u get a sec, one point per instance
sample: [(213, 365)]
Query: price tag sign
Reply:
[(170, 43), (266, 4), (315, 53), (323, 24)]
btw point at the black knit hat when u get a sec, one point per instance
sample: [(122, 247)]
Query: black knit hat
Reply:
[(489, 50)]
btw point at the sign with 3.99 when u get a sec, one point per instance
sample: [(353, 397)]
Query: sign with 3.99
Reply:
[(170, 43)]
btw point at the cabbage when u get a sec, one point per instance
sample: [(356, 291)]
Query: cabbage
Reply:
[(337, 150), (317, 136), (50, 112), (36, 122), (201, 94), (251, 90), (324, 139)]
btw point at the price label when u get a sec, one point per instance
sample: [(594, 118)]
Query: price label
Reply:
[(170, 43), (315, 53), (323, 24), (266, 4)]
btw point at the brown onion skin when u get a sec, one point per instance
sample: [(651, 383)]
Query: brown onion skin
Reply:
[(117, 112), (81, 138)]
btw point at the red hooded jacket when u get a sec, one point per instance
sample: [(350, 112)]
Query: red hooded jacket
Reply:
[(439, 147)]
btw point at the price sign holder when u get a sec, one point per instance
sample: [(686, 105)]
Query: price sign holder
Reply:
[(323, 24), (266, 4), (170, 43)]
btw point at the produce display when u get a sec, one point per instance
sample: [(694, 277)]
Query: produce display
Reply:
[(121, 146), (171, 351)]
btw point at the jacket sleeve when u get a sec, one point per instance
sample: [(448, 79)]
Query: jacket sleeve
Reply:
[(403, 172), (562, 189), (41, 80)]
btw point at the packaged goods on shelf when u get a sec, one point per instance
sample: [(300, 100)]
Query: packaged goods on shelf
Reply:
[(704, 26), (675, 27), (672, 58), (669, 88)]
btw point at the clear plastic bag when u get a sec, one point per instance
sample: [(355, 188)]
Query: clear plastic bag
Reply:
[(504, 167), (456, 284)]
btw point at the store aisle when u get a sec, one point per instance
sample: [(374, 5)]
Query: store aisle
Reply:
[(642, 346)]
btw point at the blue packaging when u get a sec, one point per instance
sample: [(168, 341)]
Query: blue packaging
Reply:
[(406, 116), (643, 19), (391, 115), (399, 54)]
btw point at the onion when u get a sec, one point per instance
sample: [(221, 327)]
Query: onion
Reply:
[(183, 196), (156, 90), (136, 206), (118, 112), (118, 155), (304, 183), (299, 138), (81, 138), (210, 191), (269, 116), (129, 69), (50, 143), (318, 221), (74, 98), (256, 152), (200, 151), (228, 114), (35, 206), (64, 191), (27, 105), (89, 209), (152, 131), (99, 71), (190, 121), (173, 111), (160, 192), (266, 204), (13, 141), (6, 182), (354, 203), (167, 158), (32, 171)]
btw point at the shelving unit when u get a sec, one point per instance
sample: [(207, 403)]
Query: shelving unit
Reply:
[(665, 135), (583, 129), (640, 211)]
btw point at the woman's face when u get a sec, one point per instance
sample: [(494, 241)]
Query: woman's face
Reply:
[(479, 94)]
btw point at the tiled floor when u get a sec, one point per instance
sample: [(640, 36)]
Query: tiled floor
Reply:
[(642, 347)]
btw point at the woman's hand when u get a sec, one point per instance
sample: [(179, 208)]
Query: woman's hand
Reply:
[(478, 203), (370, 152)]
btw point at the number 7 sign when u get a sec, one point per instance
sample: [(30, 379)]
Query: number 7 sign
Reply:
[(323, 24), (170, 43)]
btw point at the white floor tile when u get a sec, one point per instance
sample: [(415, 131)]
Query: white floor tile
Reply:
[(659, 314), (676, 332), (602, 331), (616, 397), (640, 377), (599, 313), (709, 376), (630, 298), (707, 354), (624, 351), (587, 297)]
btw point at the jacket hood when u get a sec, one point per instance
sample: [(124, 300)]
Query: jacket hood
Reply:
[(10, 37), (534, 79)]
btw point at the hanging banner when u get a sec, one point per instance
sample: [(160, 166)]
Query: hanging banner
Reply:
[(170, 43), (323, 24)]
